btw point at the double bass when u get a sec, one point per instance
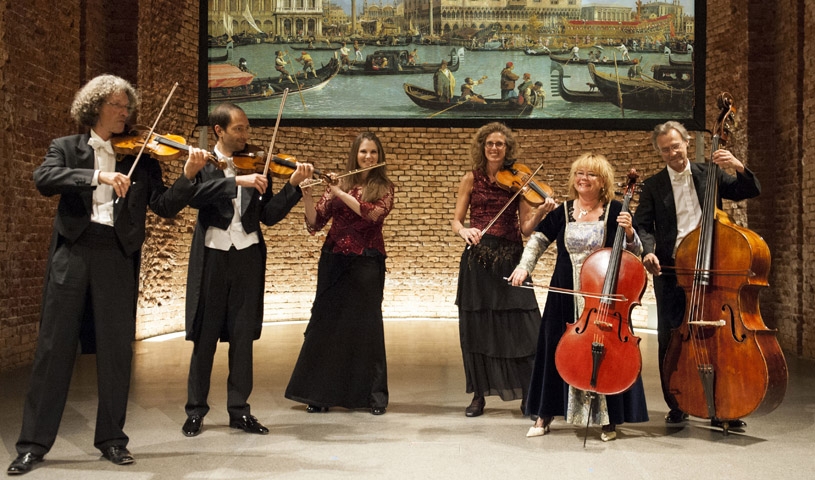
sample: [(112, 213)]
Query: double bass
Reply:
[(723, 362), (599, 353)]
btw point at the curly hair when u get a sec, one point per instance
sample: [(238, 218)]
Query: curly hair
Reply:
[(479, 158), (90, 98), (598, 164), (376, 183)]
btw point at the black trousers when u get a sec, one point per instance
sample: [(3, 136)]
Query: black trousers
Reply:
[(90, 276), (670, 299), (232, 304)]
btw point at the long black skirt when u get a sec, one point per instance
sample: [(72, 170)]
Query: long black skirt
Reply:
[(498, 323), (342, 361)]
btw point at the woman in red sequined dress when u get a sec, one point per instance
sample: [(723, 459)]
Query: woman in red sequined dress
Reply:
[(342, 361), (498, 324)]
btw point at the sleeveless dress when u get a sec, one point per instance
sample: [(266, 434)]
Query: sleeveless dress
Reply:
[(498, 323)]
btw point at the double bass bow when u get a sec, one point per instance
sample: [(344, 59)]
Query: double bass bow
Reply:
[(723, 362), (599, 353)]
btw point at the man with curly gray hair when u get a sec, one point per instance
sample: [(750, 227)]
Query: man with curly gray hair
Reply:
[(91, 281)]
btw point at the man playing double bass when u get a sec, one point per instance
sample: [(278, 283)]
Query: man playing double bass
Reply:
[(670, 207)]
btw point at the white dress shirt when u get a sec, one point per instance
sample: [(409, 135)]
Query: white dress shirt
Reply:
[(688, 210), (234, 235), (104, 161)]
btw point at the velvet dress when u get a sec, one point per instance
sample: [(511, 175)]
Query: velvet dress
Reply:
[(498, 323), (342, 360)]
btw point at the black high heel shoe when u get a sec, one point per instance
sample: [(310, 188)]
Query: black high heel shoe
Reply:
[(476, 407), (316, 409)]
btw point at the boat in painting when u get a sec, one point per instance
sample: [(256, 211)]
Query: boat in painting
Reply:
[(568, 60), (539, 52), (396, 62), (676, 62), (577, 96), (229, 83), (669, 89), (459, 106)]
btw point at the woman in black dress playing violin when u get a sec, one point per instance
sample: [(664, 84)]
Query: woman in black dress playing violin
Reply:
[(497, 323)]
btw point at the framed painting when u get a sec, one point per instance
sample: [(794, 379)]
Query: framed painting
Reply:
[(611, 65)]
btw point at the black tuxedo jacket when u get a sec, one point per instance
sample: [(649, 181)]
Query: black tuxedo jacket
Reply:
[(656, 213), (67, 171), (213, 199)]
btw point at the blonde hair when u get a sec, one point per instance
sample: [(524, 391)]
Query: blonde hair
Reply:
[(598, 164)]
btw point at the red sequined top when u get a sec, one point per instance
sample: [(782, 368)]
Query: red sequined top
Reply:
[(486, 200), (352, 234)]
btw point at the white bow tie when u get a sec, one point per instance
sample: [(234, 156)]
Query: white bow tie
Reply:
[(680, 176), (100, 146)]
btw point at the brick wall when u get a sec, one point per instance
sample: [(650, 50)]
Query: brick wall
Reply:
[(773, 95)]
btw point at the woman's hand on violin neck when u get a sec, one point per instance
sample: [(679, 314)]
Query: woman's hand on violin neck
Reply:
[(518, 277), (302, 172), (119, 181), (254, 180), (195, 162)]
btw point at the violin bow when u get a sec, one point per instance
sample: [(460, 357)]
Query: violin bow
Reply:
[(351, 172), (270, 155), (152, 129), (149, 135)]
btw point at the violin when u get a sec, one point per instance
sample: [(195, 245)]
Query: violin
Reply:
[(514, 176), (722, 361), (599, 353), (253, 160), (161, 147)]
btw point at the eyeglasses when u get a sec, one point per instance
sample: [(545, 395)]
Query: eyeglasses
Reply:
[(498, 145), (119, 106), (670, 148), (589, 175)]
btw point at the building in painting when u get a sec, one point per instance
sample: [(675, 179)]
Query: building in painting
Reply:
[(510, 16), (335, 21), (378, 19), (274, 18), (608, 13)]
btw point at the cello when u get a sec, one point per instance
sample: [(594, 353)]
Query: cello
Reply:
[(723, 362), (599, 353)]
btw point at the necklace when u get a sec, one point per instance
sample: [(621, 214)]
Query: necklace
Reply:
[(583, 213)]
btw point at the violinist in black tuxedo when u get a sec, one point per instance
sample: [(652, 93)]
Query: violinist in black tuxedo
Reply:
[(226, 277), (670, 207), (91, 281)]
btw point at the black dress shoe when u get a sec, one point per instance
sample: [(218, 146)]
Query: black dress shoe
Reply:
[(248, 424), (192, 426), (23, 463), (316, 409), (476, 407), (715, 422), (676, 416), (377, 410), (118, 455)]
